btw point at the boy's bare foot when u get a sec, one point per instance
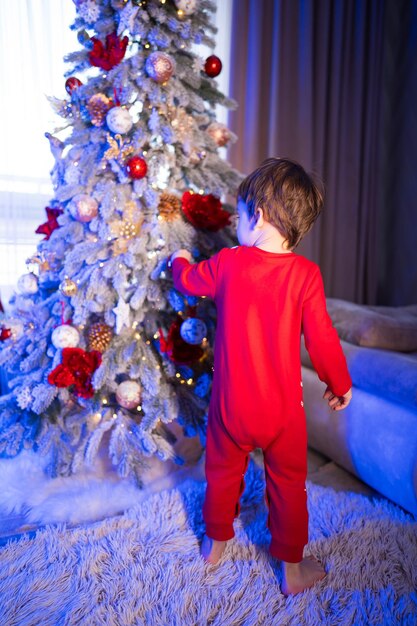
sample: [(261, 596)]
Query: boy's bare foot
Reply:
[(302, 575), (211, 549)]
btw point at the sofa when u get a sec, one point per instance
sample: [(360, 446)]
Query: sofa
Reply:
[(375, 437)]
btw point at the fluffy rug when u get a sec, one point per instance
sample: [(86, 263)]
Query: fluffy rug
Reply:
[(90, 495), (143, 567)]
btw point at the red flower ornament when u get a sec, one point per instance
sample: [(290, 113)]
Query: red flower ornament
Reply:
[(76, 369), (204, 211), (109, 55), (178, 350)]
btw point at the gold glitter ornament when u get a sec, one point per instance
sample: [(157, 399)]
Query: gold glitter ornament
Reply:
[(68, 287), (99, 336), (169, 207), (97, 107), (119, 149)]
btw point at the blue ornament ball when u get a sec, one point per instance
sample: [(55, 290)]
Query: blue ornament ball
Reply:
[(193, 331)]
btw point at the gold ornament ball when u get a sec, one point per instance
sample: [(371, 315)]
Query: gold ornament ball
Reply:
[(68, 287), (99, 336), (160, 66), (219, 133)]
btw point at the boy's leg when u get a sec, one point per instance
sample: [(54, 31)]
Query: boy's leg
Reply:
[(285, 472), (226, 464)]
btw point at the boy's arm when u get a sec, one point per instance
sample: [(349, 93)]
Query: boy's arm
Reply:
[(322, 341), (194, 280)]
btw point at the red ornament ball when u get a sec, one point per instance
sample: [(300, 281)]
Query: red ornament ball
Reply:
[(71, 84), (136, 167), (5, 333), (213, 66)]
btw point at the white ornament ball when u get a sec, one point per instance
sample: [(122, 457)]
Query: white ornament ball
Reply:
[(65, 336), (83, 208), (193, 330), (128, 394), (188, 7), (119, 120), (28, 284)]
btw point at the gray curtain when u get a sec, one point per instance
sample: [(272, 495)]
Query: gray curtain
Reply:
[(310, 80), (398, 180)]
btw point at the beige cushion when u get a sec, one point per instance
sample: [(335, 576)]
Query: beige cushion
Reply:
[(389, 328)]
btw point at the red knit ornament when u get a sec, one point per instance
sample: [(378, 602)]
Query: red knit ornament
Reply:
[(76, 369), (48, 227), (178, 350), (213, 66), (204, 211), (109, 55)]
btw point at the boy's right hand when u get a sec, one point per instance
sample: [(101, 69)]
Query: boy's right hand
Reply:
[(337, 403), (182, 253)]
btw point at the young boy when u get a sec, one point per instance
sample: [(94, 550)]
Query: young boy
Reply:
[(266, 296)]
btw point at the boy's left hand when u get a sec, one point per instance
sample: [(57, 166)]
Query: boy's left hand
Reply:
[(337, 403)]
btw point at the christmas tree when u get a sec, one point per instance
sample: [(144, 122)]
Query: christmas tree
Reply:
[(98, 340)]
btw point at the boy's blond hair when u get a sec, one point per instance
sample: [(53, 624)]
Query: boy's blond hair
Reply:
[(290, 198)]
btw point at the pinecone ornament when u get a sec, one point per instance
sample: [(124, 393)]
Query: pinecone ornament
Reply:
[(169, 207), (98, 107), (99, 336)]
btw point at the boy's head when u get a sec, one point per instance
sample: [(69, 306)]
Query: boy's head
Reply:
[(291, 200)]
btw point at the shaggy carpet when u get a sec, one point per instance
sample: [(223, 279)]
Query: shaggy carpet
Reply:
[(143, 567)]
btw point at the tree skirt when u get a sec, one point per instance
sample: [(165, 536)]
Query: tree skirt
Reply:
[(144, 568)]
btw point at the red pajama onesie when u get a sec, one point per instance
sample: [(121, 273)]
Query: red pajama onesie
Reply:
[(264, 301)]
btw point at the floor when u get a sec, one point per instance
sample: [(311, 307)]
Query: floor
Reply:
[(321, 471)]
